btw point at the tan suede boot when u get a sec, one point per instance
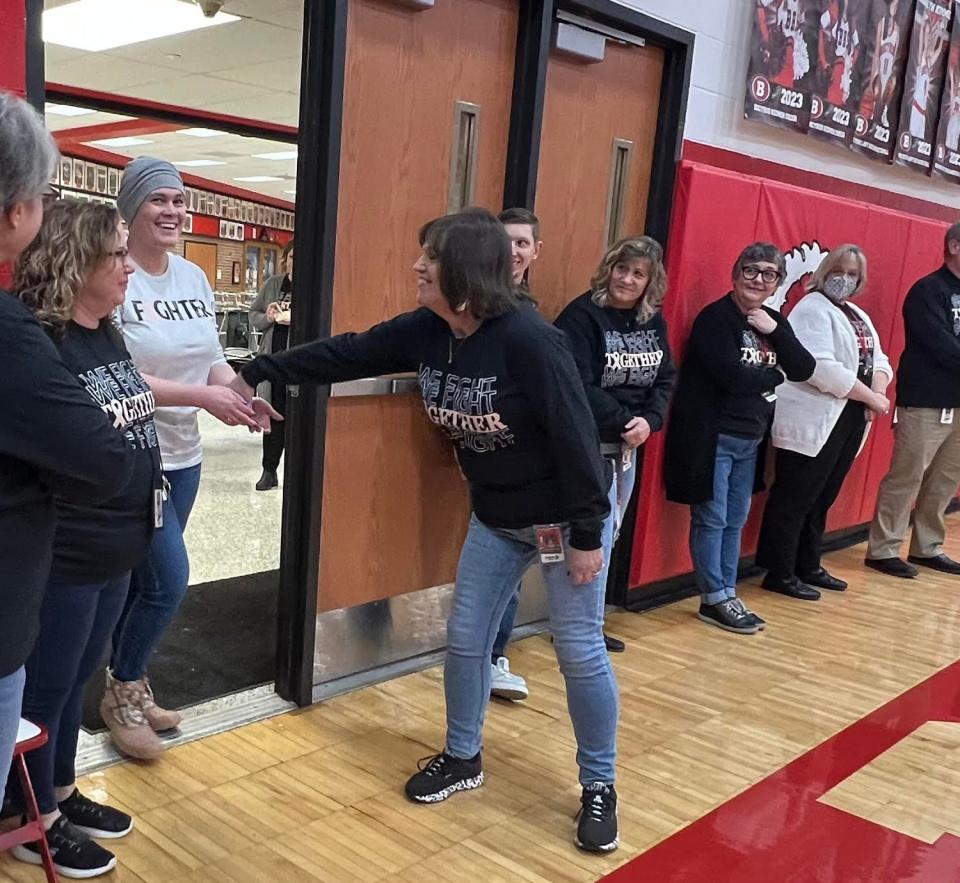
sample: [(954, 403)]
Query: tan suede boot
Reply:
[(160, 719), (122, 712)]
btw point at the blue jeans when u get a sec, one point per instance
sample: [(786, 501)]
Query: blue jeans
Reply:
[(491, 563), (11, 692), (715, 526), (159, 584), (506, 627), (76, 622)]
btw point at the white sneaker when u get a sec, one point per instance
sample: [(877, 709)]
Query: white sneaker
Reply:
[(504, 683)]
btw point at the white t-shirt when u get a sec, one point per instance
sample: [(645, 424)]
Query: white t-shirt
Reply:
[(169, 326)]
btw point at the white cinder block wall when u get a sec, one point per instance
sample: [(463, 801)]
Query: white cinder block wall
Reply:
[(715, 106)]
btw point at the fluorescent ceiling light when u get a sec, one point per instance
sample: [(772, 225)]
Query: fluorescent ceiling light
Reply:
[(98, 25), (120, 142), (294, 192), (67, 110), (196, 163), (200, 133), (258, 179), (279, 154)]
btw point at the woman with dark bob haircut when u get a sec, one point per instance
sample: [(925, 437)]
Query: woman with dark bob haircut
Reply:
[(501, 383), (738, 353)]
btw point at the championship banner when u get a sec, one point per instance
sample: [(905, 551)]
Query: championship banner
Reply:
[(778, 80), (885, 57), (923, 84), (946, 156), (837, 81)]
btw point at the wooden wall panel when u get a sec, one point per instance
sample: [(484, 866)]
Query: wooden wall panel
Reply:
[(395, 507), (587, 106)]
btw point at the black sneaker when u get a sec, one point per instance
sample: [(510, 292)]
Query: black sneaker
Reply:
[(740, 607), (730, 615), (95, 819), (75, 855), (442, 775), (597, 828)]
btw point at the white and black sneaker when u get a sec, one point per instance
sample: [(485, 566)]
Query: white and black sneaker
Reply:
[(729, 615), (740, 607), (442, 775), (597, 828), (75, 855), (95, 819)]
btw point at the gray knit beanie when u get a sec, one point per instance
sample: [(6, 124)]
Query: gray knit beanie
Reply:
[(142, 177)]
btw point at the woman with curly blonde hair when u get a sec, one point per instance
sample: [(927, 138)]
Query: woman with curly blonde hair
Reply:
[(618, 336), (73, 277)]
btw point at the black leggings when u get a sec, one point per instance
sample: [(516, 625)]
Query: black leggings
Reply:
[(804, 490)]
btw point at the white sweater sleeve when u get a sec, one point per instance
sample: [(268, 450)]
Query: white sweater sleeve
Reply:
[(820, 334)]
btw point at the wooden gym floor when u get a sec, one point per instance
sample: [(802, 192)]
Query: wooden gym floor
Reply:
[(705, 715)]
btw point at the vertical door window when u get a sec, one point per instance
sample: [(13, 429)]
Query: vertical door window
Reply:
[(463, 160), (617, 191)]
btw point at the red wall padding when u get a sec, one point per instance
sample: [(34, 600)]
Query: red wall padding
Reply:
[(13, 39), (716, 214)]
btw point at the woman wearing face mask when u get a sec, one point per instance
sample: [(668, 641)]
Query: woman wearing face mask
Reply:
[(819, 424)]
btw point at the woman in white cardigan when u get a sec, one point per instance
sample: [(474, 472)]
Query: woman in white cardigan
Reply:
[(819, 425)]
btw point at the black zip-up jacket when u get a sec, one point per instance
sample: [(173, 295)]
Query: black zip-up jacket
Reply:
[(722, 378), (626, 367), (929, 375), (508, 396), (52, 437)]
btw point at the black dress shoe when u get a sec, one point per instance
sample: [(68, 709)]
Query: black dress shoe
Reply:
[(268, 481), (790, 586), (823, 580), (937, 562), (614, 645), (892, 567)]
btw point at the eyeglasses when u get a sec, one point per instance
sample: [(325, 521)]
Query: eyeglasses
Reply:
[(751, 271)]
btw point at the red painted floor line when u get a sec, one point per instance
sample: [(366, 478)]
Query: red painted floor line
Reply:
[(777, 832)]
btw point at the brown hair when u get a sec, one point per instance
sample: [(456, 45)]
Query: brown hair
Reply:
[(74, 238), (634, 248)]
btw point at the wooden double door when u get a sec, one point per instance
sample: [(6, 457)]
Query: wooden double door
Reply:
[(395, 506)]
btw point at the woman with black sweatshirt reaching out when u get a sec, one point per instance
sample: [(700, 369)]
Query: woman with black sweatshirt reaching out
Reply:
[(501, 383), (619, 340), (738, 353)]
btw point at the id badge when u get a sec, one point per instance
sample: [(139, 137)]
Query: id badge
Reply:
[(550, 543), (946, 416), (769, 396), (158, 508)]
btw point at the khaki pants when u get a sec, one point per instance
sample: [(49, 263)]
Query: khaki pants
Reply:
[(925, 468)]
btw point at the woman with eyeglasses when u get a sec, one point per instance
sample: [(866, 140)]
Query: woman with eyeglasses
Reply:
[(737, 355), (820, 424)]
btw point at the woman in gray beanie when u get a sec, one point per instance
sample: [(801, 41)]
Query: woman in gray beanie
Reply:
[(168, 323)]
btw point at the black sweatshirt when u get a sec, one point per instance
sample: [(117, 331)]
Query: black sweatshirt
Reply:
[(97, 541), (929, 375), (508, 396), (626, 368), (723, 377), (50, 433)]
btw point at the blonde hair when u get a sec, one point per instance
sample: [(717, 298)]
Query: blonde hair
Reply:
[(633, 248), (830, 263), (74, 239)]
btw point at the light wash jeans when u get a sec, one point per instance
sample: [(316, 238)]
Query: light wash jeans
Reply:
[(491, 563), (715, 526), (11, 695)]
